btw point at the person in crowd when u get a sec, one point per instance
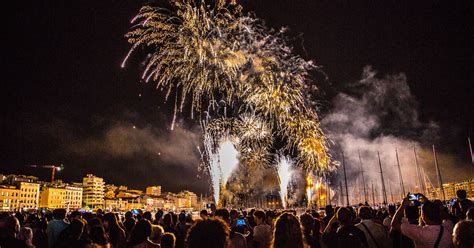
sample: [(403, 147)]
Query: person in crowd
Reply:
[(9, 229), (72, 235), (470, 214), (387, 222), (26, 234), (375, 234), (329, 213), (287, 233), (237, 239), (234, 214), (209, 233), (412, 215), (310, 233), (174, 219), (432, 234), (115, 233), (158, 217), (463, 234), (203, 214), (181, 230), (168, 240), (39, 225), (56, 226), (462, 204), (129, 223), (147, 215), (262, 233), (346, 234), (156, 233), (168, 223), (75, 215), (140, 236), (98, 237)]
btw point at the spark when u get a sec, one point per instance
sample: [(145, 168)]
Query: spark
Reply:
[(309, 191)]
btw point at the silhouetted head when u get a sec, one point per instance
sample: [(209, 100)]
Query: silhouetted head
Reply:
[(168, 219), (412, 212), (9, 227), (287, 232), (470, 214), (140, 232), (147, 215), (156, 233), (59, 213), (75, 215), (329, 210), (259, 217), (461, 194), (431, 213), (365, 213), (223, 214), (344, 216), (76, 228), (168, 240), (158, 215), (203, 213), (208, 233), (128, 215), (97, 235), (463, 234), (392, 209)]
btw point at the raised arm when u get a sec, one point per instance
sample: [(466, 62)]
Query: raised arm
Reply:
[(397, 218)]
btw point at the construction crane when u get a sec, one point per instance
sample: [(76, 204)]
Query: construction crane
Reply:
[(53, 168)]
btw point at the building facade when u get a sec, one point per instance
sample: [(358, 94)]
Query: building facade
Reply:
[(21, 196), (450, 190), (153, 190), (29, 195), (73, 197), (53, 197), (93, 192), (9, 198)]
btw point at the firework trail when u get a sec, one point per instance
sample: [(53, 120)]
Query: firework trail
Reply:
[(284, 177), (213, 167), (209, 55)]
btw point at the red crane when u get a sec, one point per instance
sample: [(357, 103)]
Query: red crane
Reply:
[(53, 168)]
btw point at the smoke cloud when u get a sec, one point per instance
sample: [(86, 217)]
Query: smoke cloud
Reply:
[(380, 115), (124, 140)]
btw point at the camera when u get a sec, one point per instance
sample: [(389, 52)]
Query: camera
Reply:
[(208, 205)]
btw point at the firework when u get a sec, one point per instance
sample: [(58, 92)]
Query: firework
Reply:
[(220, 55), (284, 176)]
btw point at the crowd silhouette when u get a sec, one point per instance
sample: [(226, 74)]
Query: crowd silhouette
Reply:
[(412, 223)]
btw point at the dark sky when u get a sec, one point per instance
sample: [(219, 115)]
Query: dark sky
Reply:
[(63, 88)]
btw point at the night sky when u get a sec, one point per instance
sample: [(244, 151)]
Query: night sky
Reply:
[(63, 89)]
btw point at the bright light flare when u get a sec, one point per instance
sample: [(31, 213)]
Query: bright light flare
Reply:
[(284, 176)]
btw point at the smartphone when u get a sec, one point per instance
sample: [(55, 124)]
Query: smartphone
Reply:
[(134, 211), (208, 205), (413, 197), (453, 201), (240, 222)]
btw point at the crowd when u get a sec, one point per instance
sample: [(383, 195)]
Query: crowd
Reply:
[(421, 223)]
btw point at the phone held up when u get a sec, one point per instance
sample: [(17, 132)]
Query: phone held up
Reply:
[(413, 197)]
